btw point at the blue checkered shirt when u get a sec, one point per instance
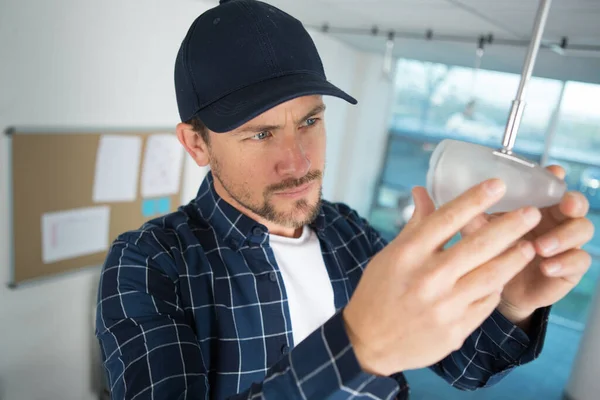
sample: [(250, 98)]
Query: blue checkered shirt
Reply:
[(193, 306)]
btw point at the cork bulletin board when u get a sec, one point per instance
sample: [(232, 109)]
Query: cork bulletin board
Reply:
[(73, 192)]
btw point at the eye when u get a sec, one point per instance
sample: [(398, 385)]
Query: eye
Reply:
[(261, 136), (311, 121)]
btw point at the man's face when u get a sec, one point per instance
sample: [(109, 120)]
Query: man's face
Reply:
[(273, 165)]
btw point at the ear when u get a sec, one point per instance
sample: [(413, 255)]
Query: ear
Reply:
[(193, 144)]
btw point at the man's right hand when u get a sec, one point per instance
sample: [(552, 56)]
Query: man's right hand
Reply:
[(417, 302)]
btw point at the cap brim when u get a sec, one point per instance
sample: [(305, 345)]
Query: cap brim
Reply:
[(239, 107)]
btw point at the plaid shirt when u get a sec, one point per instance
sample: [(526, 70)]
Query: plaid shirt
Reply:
[(192, 306)]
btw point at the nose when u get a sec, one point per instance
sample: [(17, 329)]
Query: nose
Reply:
[(293, 161)]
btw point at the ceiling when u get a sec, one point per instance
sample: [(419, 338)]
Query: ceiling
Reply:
[(578, 20)]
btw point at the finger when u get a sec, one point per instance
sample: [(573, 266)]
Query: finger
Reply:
[(571, 265), (475, 224), (443, 224), (490, 241), (570, 234), (423, 205), (572, 205), (493, 275), (479, 311), (479, 222), (557, 170)]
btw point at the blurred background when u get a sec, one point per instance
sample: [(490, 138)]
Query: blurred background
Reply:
[(449, 70)]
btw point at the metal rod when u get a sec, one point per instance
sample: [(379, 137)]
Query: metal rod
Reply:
[(518, 105)]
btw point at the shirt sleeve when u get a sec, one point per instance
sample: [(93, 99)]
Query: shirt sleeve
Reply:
[(492, 350), (150, 351)]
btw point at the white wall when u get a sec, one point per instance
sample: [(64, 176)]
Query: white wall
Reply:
[(356, 135), (340, 62), (367, 133), (83, 63)]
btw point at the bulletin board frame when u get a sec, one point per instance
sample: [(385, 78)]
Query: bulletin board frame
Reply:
[(51, 170)]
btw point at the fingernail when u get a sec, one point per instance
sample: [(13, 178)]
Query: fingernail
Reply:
[(527, 249), (494, 187), (552, 268), (548, 244), (531, 214)]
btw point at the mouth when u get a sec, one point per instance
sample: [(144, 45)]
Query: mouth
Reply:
[(298, 191)]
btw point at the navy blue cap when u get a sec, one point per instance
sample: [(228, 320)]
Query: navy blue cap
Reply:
[(243, 57)]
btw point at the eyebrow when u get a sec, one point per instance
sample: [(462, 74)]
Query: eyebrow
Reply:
[(261, 128)]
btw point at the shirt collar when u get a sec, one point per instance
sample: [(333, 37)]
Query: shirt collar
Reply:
[(232, 226)]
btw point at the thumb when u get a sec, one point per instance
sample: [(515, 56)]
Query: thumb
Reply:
[(423, 205)]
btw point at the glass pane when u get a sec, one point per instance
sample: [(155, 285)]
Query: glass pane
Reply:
[(405, 167), (578, 131), (576, 147), (427, 108), (440, 101)]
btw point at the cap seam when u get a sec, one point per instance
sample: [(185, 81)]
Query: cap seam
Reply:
[(264, 41)]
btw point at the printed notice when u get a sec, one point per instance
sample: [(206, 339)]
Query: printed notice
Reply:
[(117, 168), (163, 163), (74, 233)]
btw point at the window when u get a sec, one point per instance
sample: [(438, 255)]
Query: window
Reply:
[(436, 101), (473, 105), (575, 146), (431, 104)]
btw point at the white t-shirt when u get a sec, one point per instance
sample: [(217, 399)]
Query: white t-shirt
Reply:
[(309, 290)]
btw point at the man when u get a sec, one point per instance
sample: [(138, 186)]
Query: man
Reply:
[(260, 289)]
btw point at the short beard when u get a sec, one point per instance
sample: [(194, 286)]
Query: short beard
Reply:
[(267, 210)]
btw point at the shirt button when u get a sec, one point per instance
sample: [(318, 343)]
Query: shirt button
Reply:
[(257, 231), (273, 276), (285, 349)]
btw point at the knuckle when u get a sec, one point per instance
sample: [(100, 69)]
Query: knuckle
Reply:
[(491, 278), (524, 250), (515, 222), (440, 315), (422, 290), (480, 241), (520, 254), (521, 218), (449, 217), (426, 286), (408, 250), (434, 277)]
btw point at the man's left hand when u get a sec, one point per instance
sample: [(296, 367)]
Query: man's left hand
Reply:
[(560, 262)]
